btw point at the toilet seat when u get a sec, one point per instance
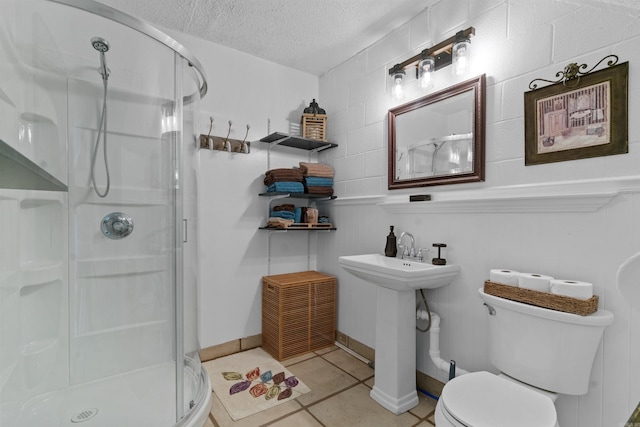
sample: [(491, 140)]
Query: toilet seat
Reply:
[(482, 399)]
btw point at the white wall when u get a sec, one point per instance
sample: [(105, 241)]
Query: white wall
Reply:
[(516, 41), (233, 252)]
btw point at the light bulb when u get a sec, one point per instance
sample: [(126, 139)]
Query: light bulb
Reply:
[(461, 57), (397, 91), (425, 71)]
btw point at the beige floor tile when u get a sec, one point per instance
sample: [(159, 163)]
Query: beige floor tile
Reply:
[(298, 359), (208, 423), (432, 419), (426, 406), (299, 419), (321, 377), (354, 408), (370, 382), (223, 419), (348, 363), (326, 350), (425, 424)]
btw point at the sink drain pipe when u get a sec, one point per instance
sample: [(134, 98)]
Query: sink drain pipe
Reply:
[(434, 350)]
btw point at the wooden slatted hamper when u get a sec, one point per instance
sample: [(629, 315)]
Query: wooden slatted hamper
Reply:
[(298, 313)]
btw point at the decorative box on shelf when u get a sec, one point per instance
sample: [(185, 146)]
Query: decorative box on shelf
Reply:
[(543, 299), (314, 122), (298, 313), (314, 126)]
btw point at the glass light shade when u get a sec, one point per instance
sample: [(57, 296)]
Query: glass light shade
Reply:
[(426, 68), (461, 57), (398, 78)]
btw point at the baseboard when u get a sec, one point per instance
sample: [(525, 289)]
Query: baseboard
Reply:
[(230, 347)]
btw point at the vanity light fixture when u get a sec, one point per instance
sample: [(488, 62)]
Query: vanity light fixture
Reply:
[(454, 50)]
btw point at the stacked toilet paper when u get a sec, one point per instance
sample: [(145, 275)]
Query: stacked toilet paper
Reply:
[(542, 283)]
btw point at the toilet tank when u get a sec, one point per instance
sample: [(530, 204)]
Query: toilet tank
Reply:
[(545, 348)]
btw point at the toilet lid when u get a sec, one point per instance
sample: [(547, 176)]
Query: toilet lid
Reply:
[(481, 399)]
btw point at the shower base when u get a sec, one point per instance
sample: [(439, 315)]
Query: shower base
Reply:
[(141, 398)]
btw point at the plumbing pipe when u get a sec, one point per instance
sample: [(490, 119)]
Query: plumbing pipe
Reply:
[(434, 347)]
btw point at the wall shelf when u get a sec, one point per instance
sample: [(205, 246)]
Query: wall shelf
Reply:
[(296, 195), (299, 142)]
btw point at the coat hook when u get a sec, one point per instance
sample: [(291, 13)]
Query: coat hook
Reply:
[(243, 144), (227, 145), (209, 140)]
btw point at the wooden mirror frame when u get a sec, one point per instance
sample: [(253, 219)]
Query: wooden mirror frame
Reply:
[(479, 85)]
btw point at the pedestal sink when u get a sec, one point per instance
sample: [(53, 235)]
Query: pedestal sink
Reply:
[(396, 281)]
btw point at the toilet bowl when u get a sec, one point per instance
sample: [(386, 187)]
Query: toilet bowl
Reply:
[(482, 399)]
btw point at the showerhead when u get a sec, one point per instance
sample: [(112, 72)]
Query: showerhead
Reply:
[(100, 44)]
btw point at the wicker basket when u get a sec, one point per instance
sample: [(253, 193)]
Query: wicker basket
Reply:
[(543, 299), (314, 126), (298, 313)]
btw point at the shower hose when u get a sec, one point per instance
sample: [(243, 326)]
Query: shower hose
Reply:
[(102, 130)]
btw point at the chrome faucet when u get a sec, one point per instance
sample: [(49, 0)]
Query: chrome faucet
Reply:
[(407, 251)]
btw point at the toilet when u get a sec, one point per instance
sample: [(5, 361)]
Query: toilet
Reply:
[(540, 354)]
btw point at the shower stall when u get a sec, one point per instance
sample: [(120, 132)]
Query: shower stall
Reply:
[(98, 241)]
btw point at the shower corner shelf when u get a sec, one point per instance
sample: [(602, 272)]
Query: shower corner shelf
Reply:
[(299, 142), (19, 172)]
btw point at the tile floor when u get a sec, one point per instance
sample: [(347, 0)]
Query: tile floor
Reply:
[(339, 397)]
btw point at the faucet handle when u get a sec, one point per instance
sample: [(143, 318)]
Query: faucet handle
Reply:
[(422, 253)]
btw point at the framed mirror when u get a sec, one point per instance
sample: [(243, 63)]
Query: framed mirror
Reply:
[(439, 138)]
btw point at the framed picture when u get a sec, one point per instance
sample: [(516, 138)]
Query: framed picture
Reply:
[(578, 118)]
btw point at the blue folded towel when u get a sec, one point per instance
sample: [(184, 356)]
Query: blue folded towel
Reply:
[(283, 214), (286, 187), (297, 215), (318, 181)]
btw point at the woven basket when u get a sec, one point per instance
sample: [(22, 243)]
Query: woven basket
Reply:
[(298, 313), (543, 299)]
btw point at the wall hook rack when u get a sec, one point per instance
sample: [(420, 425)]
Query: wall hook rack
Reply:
[(210, 142)]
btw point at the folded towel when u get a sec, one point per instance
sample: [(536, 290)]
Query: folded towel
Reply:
[(319, 190), (286, 187), (297, 215), (285, 207), (316, 169), (283, 214), (283, 174), (278, 222), (317, 181)]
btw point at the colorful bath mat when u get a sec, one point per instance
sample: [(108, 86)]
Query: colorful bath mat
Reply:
[(252, 381)]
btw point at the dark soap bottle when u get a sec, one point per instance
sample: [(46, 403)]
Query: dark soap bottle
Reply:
[(391, 249)]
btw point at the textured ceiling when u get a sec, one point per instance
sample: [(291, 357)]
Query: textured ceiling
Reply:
[(309, 35)]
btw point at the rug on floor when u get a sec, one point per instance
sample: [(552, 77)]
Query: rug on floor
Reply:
[(252, 381)]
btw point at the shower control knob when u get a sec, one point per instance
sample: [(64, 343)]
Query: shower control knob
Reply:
[(117, 225)]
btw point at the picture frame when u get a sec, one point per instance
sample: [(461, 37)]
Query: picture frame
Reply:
[(580, 116)]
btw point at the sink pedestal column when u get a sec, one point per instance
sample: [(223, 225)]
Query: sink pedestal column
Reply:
[(395, 364)]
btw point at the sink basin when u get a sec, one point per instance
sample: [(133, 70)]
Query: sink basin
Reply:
[(398, 274)]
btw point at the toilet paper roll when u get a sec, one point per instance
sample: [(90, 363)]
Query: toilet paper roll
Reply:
[(504, 277), (571, 288), (534, 281)]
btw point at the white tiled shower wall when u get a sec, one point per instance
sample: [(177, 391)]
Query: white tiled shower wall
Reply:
[(516, 41)]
